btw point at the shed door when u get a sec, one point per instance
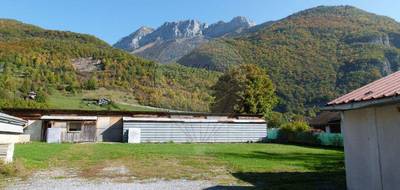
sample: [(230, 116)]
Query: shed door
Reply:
[(88, 133)]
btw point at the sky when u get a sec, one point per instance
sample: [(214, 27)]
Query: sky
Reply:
[(111, 20)]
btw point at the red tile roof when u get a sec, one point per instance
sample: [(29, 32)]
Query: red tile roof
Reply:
[(385, 87)]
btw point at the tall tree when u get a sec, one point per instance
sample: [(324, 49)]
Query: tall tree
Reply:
[(244, 89)]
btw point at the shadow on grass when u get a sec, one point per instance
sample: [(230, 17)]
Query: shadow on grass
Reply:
[(325, 171), (289, 180), (309, 161)]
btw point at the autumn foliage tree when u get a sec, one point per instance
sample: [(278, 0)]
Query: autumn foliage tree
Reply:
[(244, 89)]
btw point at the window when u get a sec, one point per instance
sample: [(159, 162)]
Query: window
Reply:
[(74, 126)]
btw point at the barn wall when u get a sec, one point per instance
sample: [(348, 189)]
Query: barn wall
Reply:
[(109, 129), (197, 132), (87, 134), (372, 148), (34, 129)]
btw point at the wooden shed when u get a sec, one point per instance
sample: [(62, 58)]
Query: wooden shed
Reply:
[(68, 128)]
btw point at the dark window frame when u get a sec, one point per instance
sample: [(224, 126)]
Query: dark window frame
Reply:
[(78, 130)]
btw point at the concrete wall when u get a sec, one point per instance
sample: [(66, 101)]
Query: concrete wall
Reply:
[(14, 138), (6, 152), (34, 129), (197, 132), (372, 139)]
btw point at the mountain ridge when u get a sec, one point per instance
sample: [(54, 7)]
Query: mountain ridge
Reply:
[(172, 40), (313, 55)]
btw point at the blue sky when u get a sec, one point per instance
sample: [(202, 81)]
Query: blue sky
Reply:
[(112, 19)]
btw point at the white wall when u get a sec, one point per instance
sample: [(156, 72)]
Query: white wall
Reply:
[(372, 148), (14, 138), (388, 125)]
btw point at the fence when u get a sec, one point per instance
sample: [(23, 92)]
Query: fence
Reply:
[(325, 139)]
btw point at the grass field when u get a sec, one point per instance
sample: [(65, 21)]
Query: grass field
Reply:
[(122, 100), (262, 165)]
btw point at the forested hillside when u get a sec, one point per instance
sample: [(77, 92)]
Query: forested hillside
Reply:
[(311, 56), (43, 61)]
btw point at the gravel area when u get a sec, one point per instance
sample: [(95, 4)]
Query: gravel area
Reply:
[(66, 180)]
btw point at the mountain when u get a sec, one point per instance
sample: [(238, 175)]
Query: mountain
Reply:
[(131, 42), (312, 56), (173, 40), (51, 62)]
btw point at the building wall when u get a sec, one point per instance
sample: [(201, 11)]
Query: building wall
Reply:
[(34, 129), (388, 125), (197, 132), (87, 133), (109, 129), (371, 148)]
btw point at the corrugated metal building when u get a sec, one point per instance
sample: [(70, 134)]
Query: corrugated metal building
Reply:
[(197, 129), (114, 126)]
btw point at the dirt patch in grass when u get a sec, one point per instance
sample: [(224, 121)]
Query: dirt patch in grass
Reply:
[(168, 168)]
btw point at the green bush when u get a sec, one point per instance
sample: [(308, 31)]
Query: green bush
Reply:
[(295, 126), (275, 120), (297, 132)]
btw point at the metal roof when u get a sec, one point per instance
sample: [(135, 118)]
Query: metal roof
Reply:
[(385, 87), (11, 124), (28, 113), (4, 118), (192, 120), (69, 117)]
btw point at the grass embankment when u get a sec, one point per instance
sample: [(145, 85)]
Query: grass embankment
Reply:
[(263, 165), (121, 100)]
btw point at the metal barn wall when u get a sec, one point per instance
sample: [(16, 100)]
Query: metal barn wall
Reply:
[(197, 132)]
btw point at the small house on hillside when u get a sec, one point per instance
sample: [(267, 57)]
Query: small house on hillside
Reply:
[(57, 126), (370, 121)]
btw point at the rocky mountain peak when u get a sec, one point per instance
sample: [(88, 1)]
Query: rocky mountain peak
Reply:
[(243, 21), (180, 29), (235, 26), (172, 40), (131, 42)]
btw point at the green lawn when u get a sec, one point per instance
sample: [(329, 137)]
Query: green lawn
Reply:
[(263, 165), (74, 101)]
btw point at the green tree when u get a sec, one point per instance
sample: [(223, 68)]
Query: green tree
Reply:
[(91, 84), (244, 89)]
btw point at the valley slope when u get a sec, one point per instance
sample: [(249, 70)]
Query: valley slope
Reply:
[(51, 62), (311, 56)]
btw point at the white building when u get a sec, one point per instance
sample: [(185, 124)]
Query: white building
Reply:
[(370, 121), (11, 129)]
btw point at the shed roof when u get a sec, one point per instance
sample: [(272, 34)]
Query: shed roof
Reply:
[(11, 124), (38, 113), (4, 118), (69, 118), (386, 87), (192, 120), (324, 118)]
